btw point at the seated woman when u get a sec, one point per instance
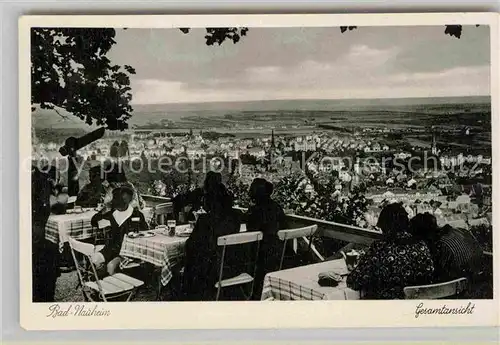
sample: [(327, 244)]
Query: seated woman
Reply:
[(397, 261), (265, 215), (121, 219), (201, 265), (115, 178), (456, 253)]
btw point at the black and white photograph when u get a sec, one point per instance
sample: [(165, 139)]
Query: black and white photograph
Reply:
[(262, 164)]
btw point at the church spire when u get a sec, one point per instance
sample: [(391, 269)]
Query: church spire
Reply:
[(434, 143), (272, 138)]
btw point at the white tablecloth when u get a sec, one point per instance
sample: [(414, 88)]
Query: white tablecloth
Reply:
[(76, 225), (301, 283), (160, 250)]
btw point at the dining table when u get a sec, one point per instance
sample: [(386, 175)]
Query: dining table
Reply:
[(76, 224), (301, 283), (160, 249)]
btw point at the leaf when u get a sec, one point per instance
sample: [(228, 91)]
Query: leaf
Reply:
[(129, 69), (91, 89), (453, 30)]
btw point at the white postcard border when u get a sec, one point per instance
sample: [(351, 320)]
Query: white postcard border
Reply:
[(244, 315)]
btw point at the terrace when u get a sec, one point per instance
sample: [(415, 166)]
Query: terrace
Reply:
[(338, 237), (329, 239)]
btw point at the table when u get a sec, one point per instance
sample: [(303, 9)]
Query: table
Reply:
[(76, 225), (160, 250), (301, 283)]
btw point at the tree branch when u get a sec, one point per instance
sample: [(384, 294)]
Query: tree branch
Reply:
[(61, 115)]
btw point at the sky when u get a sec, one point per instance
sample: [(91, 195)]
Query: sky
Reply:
[(305, 63)]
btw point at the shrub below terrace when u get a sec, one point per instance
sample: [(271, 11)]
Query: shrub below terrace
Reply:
[(297, 194), (484, 234), (305, 195)]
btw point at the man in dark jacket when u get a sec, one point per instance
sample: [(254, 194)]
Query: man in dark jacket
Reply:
[(456, 253), (93, 192), (44, 253)]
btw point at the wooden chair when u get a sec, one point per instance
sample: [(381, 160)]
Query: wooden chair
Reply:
[(436, 291), (101, 234), (109, 288), (161, 211), (293, 234), (243, 278)]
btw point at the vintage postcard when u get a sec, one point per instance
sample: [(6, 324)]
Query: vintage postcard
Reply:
[(258, 171)]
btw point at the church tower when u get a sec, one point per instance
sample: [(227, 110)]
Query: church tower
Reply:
[(434, 145)]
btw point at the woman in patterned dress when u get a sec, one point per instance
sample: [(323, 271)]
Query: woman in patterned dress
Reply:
[(394, 262)]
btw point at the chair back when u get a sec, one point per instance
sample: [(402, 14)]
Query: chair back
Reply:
[(238, 239), (84, 273), (436, 291), (161, 211), (86, 249), (306, 231), (293, 234), (102, 233)]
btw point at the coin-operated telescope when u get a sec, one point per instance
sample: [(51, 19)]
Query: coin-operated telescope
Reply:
[(71, 145)]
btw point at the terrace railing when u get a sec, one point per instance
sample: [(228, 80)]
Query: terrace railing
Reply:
[(153, 200), (338, 231)]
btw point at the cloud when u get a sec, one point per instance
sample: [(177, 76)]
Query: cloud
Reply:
[(305, 66), (313, 80)]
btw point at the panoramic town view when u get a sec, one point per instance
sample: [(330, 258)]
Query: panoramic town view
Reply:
[(333, 161)]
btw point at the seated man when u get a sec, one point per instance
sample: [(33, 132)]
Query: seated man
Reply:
[(58, 193), (93, 192), (121, 219), (45, 268), (455, 252)]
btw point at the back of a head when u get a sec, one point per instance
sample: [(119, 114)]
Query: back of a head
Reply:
[(212, 180), (393, 219), (260, 190), (424, 225), (217, 199)]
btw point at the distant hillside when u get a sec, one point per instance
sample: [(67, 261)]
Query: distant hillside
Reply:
[(146, 114), (45, 118), (319, 104)]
